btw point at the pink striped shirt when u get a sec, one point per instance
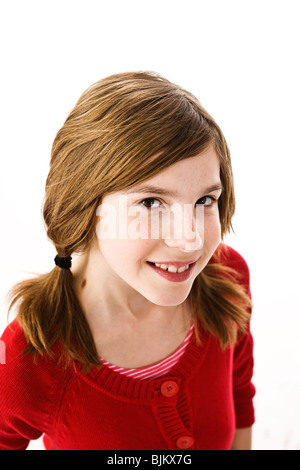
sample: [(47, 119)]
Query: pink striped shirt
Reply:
[(152, 372)]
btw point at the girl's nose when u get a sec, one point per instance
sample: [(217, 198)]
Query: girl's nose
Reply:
[(186, 229)]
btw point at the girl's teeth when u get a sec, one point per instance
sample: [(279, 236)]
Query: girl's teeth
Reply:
[(164, 266), (171, 268), (183, 268)]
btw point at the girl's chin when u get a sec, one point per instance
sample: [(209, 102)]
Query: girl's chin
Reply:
[(168, 295), (167, 300)]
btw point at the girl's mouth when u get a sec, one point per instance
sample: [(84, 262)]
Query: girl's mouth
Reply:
[(171, 272)]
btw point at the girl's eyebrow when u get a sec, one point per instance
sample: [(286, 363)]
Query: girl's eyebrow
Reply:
[(167, 192)]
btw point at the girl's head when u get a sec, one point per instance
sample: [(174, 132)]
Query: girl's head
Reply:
[(124, 130), (149, 231)]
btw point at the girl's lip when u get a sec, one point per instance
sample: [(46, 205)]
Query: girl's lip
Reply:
[(177, 264), (173, 277)]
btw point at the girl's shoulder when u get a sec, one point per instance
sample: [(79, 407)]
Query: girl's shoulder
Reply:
[(229, 257), (13, 341), (24, 374), (30, 391)]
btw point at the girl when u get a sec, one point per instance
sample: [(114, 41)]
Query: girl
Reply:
[(139, 337)]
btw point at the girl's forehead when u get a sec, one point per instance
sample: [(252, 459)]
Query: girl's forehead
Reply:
[(190, 176), (200, 169)]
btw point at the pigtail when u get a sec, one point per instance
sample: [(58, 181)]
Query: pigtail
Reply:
[(50, 313), (221, 302)]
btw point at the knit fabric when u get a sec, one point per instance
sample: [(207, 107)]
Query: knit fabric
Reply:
[(197, 404)]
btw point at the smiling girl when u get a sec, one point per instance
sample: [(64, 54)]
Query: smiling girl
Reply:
[(139, 337)]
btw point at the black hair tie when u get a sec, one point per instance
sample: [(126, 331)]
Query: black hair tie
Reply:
[(63, 263)]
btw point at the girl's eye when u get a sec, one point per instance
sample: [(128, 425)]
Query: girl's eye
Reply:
[(206, 201), (150, 203)]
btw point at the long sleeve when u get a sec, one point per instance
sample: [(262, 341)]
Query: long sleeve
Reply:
[(16, 398), (243, 388), (243, 363), (28, 393)]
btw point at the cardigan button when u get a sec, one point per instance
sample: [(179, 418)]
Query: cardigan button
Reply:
[(169, 388), (185, 442)]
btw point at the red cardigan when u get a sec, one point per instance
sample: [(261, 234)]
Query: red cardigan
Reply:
[(197, 405)]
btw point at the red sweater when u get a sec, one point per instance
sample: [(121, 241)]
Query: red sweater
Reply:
[(197, 405)]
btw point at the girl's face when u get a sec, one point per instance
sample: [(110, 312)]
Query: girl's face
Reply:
[(158, 236)]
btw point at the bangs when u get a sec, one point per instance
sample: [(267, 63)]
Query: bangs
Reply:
[(158, 134), (126, 129)]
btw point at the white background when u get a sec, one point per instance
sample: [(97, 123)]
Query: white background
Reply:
[(241, 59)]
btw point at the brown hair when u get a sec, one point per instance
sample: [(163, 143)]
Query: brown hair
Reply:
[(108, 143)]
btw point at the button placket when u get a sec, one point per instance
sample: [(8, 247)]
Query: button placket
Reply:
[(185, 442), (170, 412), (169, 388)]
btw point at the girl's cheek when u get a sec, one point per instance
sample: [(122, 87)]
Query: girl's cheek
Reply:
[(212, 229)]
